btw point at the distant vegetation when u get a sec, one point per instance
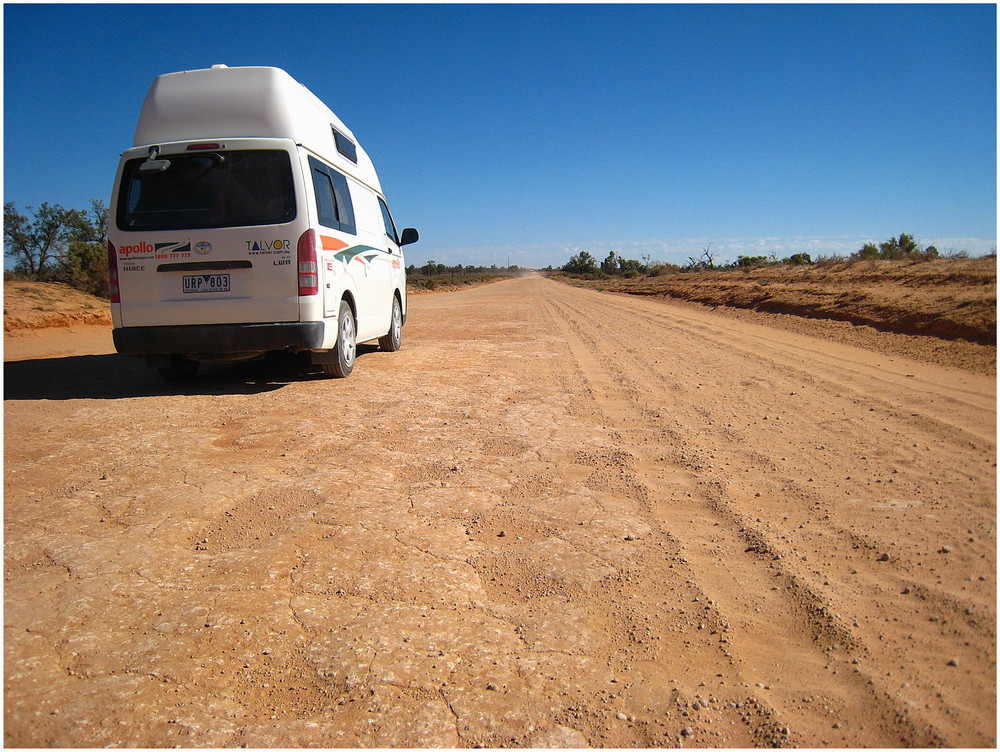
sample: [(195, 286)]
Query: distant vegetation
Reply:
[(585, 264), (432, 276), (53, 244)]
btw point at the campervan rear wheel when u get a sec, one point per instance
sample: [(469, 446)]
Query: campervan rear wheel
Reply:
[(180, 368), (392, 341), (346, 344)]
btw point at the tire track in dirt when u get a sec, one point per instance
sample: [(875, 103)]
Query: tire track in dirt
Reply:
[(612, 364), (841, 367), (777, 632), (569, 561)]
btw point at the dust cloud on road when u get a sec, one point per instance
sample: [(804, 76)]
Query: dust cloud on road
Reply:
[(556, 518)]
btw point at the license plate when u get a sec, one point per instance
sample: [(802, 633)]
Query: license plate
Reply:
[(206, 283)]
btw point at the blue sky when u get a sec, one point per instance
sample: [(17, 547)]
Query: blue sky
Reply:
[(531, 132)]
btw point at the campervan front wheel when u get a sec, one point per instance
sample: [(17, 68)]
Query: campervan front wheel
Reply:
[(392, 341), (346, 344)]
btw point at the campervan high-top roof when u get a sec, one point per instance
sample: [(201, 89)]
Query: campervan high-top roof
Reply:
[(248, 102)]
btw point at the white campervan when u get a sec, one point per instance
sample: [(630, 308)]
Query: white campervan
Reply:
[(247, 219)]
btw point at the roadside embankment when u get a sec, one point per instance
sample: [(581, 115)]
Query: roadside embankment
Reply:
[(946, 298), (43, 305)]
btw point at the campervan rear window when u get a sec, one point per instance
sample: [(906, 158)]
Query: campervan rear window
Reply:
[(208, 189)]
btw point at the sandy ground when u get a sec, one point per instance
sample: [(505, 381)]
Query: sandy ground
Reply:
[(557, 517), (38, 305)]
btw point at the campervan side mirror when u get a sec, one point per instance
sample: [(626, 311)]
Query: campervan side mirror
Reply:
[(409, 236)]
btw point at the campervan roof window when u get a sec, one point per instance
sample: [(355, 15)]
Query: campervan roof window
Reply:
[(208, 189), (345, 146)]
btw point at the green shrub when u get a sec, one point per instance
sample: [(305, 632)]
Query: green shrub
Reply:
[(895, 249), (581, 263)]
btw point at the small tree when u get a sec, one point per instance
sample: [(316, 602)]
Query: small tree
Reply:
[(869, 251), (581, 263), (894, 249), (37, 243), (57, 244), (707, 260), (432, 268), (85, 263), (631, 267)]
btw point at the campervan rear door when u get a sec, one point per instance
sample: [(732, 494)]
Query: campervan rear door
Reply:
[(211, 238)]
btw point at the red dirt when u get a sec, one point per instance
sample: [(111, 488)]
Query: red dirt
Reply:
[(557, 517)]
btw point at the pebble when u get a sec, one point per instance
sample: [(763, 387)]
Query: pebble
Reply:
[(945, 549), (953, 662), (884, 557), (492, 687), (621, 717), (687, 731), (630, 537)]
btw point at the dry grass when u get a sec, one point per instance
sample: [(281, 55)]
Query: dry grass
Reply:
[(947, 298), (444, 282)]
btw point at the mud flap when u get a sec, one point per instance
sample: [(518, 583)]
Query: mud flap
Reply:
[(323, 356)]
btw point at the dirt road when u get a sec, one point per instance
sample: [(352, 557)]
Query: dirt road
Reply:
[(556, 518)]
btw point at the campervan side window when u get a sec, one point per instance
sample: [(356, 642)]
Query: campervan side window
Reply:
[(345, 146), (333, 199), (390, 228), (205, 190)]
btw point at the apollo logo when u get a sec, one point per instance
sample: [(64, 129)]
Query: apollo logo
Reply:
[(133, 250)]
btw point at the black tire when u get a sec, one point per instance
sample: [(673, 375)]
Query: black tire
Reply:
[(346, 348), (392, 341), (180, 369)]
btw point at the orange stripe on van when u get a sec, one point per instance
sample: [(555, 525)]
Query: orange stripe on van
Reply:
[(332, 244)]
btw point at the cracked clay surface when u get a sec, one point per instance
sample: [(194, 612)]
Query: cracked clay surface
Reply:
[(556, 518)]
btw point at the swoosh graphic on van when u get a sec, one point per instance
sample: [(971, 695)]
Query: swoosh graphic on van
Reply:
[(332, 244), (354, 252)]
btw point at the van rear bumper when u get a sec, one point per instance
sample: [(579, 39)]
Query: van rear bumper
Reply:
[(218, 338)]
